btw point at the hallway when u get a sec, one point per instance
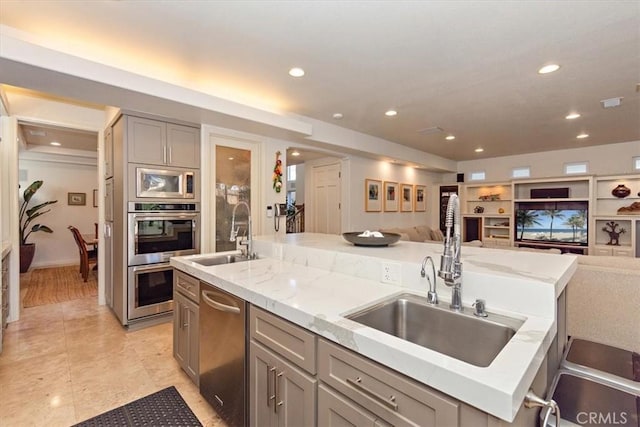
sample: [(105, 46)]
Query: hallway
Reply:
[(64, 363)]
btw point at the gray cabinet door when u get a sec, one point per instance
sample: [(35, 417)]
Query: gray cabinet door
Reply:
[(180, 338), (108, 200), (108, 261), (146, 141), (185, 335), (335, 410), (261, 397), (183, 146), (108, 152), (191, 318), (155, 142), (281, 394)]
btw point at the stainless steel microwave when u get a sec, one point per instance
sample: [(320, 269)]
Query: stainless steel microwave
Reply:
[(164, 183)]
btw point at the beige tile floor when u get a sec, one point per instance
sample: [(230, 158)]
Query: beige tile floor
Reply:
[(66, 362)]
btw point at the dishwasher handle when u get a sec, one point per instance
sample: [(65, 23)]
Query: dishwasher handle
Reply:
[(206, 296)]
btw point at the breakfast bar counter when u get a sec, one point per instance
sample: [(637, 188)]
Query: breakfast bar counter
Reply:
[(315, 280)]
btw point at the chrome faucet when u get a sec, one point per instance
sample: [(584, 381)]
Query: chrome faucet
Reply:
[(432, 296), (234, 231), (450, 265)]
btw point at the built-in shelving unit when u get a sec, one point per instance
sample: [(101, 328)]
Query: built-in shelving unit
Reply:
[(606, 216), (486, 211), (563, 193), (490, 213)]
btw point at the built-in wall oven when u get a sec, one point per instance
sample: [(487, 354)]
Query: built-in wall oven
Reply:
[(157, 231)]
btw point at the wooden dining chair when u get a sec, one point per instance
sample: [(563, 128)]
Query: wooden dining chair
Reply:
[(87, 257)]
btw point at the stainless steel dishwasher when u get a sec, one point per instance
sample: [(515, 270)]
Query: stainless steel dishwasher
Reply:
[(223, 367)]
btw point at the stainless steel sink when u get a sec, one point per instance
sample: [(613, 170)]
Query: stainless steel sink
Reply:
[(461, 335), (220, 259)]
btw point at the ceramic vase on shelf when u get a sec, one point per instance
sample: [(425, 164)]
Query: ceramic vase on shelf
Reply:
[(621, 191)]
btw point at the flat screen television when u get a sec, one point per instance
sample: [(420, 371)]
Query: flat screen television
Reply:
[(557, 223)]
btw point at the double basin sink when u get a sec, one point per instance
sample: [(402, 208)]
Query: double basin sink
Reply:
[(458, 334)]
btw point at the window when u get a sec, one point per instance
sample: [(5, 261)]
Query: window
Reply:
[(575, 168), (477, 176), (523, 172), (636, 163), (291, 185), (291, 173)]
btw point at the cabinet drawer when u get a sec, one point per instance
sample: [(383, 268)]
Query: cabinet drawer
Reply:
[(622, 252), (187, 285), (387, 394), (288, 340), (603, 251)]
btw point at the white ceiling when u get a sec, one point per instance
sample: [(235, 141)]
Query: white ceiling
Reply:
[(466, 67), (39, 135)]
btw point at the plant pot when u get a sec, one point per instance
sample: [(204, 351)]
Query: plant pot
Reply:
[(26, 256)]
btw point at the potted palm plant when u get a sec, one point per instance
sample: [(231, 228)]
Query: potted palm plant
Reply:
[(27, 215)]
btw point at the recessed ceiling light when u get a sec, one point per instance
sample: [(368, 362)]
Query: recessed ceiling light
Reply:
[(337, 116), (583, 136), (572, 116), (295, 153), (549, 69), (296, 72), (231, 158), (450, 137), (390, 113), (54, 143), (479, 150)]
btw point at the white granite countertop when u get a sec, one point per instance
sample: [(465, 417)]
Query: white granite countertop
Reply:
[(6, 248), (314, 280)]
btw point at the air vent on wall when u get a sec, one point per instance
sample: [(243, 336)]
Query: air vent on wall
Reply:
[(431, 130), (37, 133), (611, 102)]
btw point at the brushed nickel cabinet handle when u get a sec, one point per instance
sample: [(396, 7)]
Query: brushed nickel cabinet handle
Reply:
[(270, 396), (275, 390), (186, 317), (278, 402), (357, 384)]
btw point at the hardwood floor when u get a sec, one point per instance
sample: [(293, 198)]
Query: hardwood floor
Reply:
[(66, 362), (56, 284)]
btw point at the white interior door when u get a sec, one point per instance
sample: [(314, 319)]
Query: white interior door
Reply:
[(326, 196)]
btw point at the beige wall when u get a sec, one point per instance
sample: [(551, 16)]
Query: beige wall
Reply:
[(59, 248), (610, 159)]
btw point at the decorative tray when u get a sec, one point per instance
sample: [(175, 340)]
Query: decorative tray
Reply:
[(386, 239)]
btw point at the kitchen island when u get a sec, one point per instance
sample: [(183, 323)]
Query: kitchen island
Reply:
[(315, 280)]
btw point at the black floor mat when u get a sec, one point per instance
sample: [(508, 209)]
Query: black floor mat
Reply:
[(163, 408)]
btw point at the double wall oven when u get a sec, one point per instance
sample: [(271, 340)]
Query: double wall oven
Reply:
[(156, 232)]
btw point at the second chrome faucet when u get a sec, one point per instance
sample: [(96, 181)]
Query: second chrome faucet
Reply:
[(432, 296)]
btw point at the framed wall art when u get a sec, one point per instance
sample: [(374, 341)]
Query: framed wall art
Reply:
[(420, 198), (76, 199), (406, 198), (373, 195), (390, 200)]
